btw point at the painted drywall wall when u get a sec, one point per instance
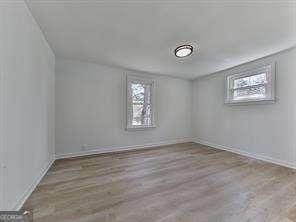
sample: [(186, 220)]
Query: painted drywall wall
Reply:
[(91, 109), (267, 131), (27, 103)]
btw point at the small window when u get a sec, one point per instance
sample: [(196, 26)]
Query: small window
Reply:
[(140, 103), (256, 85)]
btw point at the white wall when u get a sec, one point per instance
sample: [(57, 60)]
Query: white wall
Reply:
[(27, 103), (90, 109), (265, 131)]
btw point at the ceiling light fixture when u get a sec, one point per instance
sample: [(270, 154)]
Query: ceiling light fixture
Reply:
[(183, 51)]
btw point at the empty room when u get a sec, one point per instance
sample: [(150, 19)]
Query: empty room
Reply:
[(147, 111)]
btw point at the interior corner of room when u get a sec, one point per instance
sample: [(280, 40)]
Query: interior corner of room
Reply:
[(59, 102)]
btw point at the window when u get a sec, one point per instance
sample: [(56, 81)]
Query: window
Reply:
[(140, 103), (256, 85)]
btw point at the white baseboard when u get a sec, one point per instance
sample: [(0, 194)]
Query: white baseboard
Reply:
[(19, 204), (100, 150), (248, 154)]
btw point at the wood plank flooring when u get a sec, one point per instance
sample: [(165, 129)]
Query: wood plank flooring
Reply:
[(177, 183)]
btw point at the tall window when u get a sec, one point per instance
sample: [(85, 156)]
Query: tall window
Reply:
[(255, 85), (140, 104)]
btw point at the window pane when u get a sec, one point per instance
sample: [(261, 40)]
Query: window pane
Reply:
[(137, 92), (141, 114), (250, 81), (258, 79), (141, 93), (255, 92)]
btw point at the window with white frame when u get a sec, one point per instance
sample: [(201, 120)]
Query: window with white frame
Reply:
[(257, 85), (140, 102)]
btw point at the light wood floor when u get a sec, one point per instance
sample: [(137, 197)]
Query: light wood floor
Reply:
[(182, 182)]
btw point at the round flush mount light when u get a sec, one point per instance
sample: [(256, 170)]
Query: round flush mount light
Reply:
[(183, 51)]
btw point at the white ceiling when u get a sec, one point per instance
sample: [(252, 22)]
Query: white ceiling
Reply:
[(142, 35)]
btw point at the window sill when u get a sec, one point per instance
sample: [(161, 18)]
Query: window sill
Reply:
[(251, 102), (140, 128)]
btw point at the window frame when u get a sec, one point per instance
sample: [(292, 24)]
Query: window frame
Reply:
[(270, 85), (129, 102)]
